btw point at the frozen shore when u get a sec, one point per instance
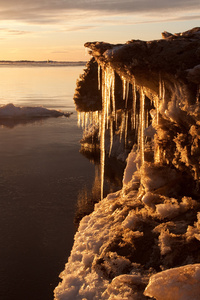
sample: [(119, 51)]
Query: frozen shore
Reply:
[(143, 241), (12, 111)]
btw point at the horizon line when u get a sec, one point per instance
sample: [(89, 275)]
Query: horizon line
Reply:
[(48, 61)]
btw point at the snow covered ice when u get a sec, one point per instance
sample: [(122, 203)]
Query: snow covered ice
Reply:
[(12, 111), (143, 241), (177, 283)]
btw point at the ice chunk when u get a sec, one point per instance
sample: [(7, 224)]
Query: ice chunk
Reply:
[(130, 167), (181, 283)]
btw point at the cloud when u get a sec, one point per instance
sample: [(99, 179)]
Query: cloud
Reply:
[(53, 11), (61, 52), (79, 28), (13, 31)]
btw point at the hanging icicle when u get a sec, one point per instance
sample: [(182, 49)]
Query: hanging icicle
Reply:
[(79, 118), (157, 110), (126, 128), (95, 118), (90, 117), (134, 105), (116, 120), (86, 120), (161, 89), (113, 93), (99, 125), (111, 135), (103, 124), (99, 77), (82, 119), (124, 87), (127, 92), (142, 124), (138, 129), (107, 93)]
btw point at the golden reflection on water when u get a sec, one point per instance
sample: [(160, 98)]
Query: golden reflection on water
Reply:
[(52, 87)]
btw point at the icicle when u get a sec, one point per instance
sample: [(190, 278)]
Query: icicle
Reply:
[(160, 87), (103, 124), (86, 120), (79, 118), (124, 87), (99, 125), (126, 127), (138, 129), (113, 93), (136, 125), (157, 110), (91, 117), (127, 92), (82, 119), (163, 91), (111, 135), (99, 77), (116, 120), (108, 82), (134, 104), (95, 118), (142, 124), (107, 98)]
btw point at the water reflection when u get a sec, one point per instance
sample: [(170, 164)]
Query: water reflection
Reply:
[(13, 122), (112, 181), (40, 170)]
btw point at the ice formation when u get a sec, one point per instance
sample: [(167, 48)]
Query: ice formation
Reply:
[(12, 111), (177, 283), (143, 241)]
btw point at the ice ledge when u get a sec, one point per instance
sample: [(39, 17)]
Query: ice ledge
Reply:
[(153, 223)]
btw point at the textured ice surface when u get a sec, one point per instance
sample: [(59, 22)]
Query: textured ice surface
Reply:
[(147, 235), (181, 283)]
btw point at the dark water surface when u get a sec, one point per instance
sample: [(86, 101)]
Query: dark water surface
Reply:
[(41, 173)]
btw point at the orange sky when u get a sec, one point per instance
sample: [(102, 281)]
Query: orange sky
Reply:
[(57, 30)]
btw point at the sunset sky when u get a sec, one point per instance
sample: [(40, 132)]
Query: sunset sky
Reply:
[(58, 29)]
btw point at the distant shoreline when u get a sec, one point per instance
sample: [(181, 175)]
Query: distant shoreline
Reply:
[(48, 63)]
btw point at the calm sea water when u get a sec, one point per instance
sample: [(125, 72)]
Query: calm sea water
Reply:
[(41, 174)]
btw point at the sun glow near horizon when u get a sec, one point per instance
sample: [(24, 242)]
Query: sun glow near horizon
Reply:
[(59, 33)]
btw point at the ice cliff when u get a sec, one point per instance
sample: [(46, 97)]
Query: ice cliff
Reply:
[(143, 241)]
